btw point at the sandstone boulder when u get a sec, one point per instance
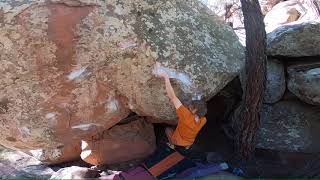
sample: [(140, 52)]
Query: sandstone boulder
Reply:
[(121, 143), (295, 40), (72, 68), (304, 82), (290, 126), (276, 83)]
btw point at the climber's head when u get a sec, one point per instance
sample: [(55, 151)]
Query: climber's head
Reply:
[(198, 107)]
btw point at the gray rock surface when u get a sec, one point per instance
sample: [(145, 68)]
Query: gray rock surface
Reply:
[(295, 40), (18, 165), (304, 82), (70, 69), (75, 172), (276, 82), (290, 126)]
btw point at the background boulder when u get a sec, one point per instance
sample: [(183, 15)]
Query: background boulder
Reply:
[(290, 126), (291, 12), (304, 82), (296, 40)]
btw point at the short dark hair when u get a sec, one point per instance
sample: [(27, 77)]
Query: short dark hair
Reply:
[(201, 107)]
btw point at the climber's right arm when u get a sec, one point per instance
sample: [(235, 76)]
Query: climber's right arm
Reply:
[(170, 92)]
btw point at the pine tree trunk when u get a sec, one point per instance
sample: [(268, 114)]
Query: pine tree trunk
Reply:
[(255, 76)]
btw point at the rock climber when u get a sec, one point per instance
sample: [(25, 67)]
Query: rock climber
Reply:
[(191, 118), (169, 162)]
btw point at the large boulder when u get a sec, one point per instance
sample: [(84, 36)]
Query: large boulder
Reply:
[(295, 40), (70, 69), (304, 82), (290, 126), (275, 82), (290, 12), (121, 143)]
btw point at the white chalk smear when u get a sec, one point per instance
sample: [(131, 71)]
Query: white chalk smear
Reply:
[(85, 127), (50, 115), (25, 132), (77, 73), (112, 105), (197, 97), (128, 44), (182, 78)]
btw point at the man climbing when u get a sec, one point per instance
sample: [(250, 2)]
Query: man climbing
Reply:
[(191, 119), (167, 162)]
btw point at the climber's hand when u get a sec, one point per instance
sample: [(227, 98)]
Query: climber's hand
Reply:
[(160, 72), (163, 74)]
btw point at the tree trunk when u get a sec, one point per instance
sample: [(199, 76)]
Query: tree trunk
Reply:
[(249, 119)]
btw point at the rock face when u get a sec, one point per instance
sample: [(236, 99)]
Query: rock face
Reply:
[(304, 82), (121, 143), (18, 165), (71, 69), (290, 126), (70, 151), (75, 172), (276, 83), (296, 40)]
